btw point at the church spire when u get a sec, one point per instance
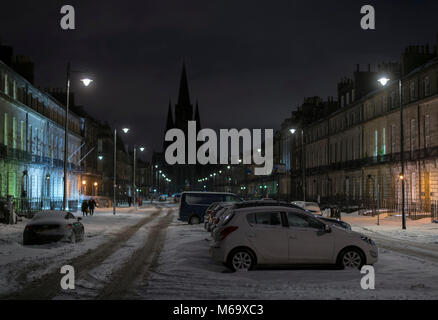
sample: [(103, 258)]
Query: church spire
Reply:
[(169, 123), (197, 117), (184, 96)]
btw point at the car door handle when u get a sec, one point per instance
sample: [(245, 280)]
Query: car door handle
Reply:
[(250, 235), (292, 237)]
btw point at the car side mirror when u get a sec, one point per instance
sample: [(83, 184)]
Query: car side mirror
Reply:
[(79, 218), (327, 228)]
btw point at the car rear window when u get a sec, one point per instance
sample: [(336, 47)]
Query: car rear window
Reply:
[(264, 218)]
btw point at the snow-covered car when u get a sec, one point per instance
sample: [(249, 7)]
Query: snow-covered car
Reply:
[(309, 206), (52, 226), (276, 235)]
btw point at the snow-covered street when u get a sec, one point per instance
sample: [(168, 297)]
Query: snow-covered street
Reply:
[(185, 271), (147, 253), (20, 265)]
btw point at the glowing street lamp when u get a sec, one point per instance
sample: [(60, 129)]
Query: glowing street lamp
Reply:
[(303, 163), (384, 81), (125, 130), (86, 81)]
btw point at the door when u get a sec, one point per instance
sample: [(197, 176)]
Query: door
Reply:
[(268, 237), (308, 242)]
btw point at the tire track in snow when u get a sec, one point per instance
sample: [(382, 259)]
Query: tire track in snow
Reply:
[(48, 286), (140, 264)]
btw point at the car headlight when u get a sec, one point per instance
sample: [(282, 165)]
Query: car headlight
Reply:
[(368, 240)]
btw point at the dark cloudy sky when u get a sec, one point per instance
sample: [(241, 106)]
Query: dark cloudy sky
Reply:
[(249, 63)]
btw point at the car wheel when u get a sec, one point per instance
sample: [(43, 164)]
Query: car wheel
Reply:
[(351, 258), (241, 260), (194, 220), (73, 237)]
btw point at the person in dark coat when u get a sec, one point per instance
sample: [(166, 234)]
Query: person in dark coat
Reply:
[(129, 201), (91, 205), (84, 208)]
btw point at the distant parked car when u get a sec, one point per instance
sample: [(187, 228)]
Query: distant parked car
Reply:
[(335, 222), (52, 226), (313, 207), (283, 235), (194, 204)]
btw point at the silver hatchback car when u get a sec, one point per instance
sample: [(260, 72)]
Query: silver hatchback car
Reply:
[(277, 235)]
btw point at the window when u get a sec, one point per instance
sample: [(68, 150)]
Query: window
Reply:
[(426, 130), (414, 186), (376, 143), (202, 199), (393, 137), (22, 135), (383, 141), (297, 220), (268, 218), (412, 91), (426, 84), (14, 133), (412, 135), (231, 198), (5, 128)]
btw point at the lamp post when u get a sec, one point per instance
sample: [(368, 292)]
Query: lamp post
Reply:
[(86, 82), (125, 130), (377, 192), (303, 168), (383, 81), (134, 188)]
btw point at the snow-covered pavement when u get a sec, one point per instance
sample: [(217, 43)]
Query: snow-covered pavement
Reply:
[(21, 264), (186, 271), (148, 254)]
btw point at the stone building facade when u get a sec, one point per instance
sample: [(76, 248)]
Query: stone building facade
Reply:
[(32, 144), (354, 153)]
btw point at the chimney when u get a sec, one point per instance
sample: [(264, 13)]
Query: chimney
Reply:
[(357, 67), (369, 67)]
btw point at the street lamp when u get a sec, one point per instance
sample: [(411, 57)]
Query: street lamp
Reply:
[(384, 81), (86, 82), (303, 169), (134, 189), (125, 130)]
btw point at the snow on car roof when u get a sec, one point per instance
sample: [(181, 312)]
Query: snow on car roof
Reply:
[(50, 214)]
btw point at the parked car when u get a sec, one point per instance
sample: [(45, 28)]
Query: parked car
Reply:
[(218, 220), (52, 226), (310, 206), (276, 235), (337, 222), (211, 212), (193, 204)]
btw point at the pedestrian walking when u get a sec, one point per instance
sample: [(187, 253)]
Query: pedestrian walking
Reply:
[(84, 208), (129, 201), (91, 206)]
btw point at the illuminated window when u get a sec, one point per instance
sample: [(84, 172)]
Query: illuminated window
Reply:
[(5, 132), (376, 143), (384, 141)]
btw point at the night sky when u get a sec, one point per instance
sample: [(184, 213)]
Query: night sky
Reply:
[(249, 63)]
